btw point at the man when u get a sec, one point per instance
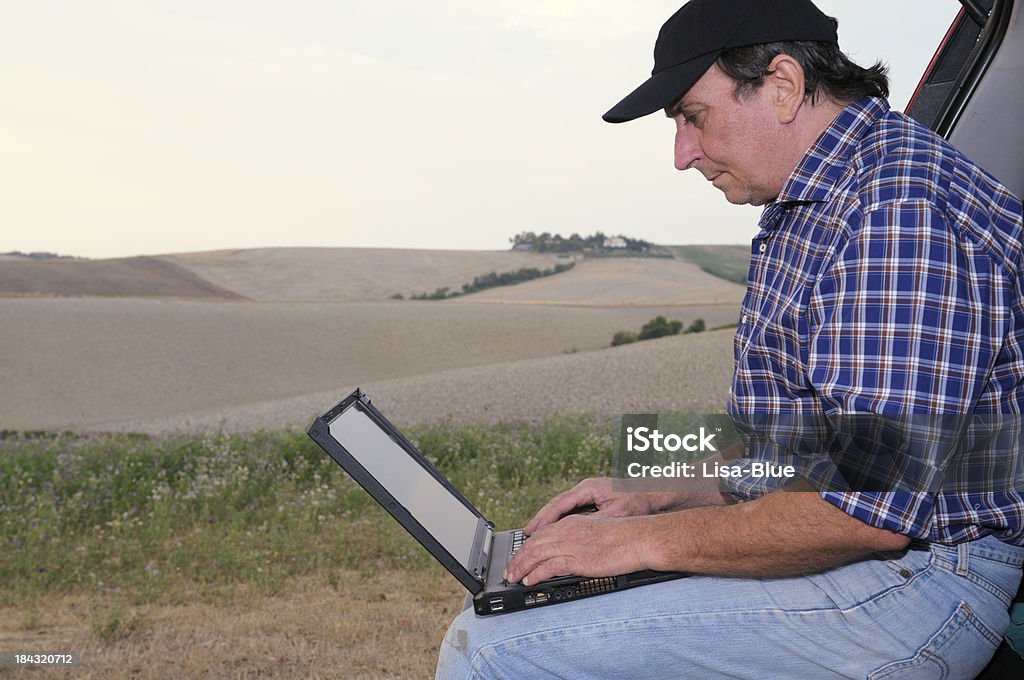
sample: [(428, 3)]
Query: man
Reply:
[(886, 281)]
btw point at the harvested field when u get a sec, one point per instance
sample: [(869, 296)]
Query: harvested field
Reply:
[(348, 274), (621, 281), (102, 353), (682, 373), (123, 277), (86, 363)]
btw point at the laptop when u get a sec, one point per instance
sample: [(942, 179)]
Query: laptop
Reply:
[(381, 460)]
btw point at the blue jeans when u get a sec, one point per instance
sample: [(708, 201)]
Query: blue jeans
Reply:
[(936, 612)]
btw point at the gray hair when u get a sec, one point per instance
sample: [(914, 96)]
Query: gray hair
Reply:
[(827, 71)]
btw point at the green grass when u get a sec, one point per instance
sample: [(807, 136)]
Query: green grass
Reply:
[(652, 252), (174, 519), (726, 262)]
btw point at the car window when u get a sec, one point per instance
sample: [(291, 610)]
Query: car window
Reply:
[(973, 89)]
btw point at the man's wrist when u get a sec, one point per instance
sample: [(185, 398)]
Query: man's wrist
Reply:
[(658, 541)]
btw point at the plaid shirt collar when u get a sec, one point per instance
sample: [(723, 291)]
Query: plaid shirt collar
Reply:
[(825, 162)]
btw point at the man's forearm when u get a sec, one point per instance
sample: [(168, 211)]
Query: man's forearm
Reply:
[(672, 502), (781, 534)]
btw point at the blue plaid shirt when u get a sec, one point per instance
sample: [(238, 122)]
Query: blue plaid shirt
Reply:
[(887, 279)]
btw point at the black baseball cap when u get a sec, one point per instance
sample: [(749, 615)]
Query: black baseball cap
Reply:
[(694, 37)]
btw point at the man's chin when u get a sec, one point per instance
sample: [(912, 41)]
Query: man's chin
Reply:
[(743, 198), (738, 198)]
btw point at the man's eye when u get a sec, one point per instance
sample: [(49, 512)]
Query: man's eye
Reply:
[(692, 119)]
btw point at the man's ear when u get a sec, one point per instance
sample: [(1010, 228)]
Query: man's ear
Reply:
[(787, 79)]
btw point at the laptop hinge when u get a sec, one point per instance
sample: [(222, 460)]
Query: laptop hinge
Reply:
[(482, 550)]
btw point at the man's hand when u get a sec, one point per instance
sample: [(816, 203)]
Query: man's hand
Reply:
[(583, 545), (595, 492), (598, 492)]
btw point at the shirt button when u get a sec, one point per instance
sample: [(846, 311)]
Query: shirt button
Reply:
[(744, 319), (763, 247)]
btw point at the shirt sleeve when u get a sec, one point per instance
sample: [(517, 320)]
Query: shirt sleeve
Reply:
[(907, 321)]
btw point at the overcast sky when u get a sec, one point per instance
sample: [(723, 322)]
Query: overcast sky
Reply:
[(143, 126)]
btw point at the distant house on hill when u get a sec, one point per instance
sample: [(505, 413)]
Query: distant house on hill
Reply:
[(547, 242)]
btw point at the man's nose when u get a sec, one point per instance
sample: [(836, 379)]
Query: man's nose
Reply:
[(687, 149)]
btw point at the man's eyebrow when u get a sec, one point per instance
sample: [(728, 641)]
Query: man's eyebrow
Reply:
[(676, 109)]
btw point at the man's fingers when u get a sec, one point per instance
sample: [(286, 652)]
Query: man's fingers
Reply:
[(558, 507), (581, 545), (541, 558), (556, 566), (539, 548)]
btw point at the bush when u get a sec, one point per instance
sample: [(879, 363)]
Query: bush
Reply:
[(696, 327), (623, 338), (439, 294), (659, 327), (493, 280)]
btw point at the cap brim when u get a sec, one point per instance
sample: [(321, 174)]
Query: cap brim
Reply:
[(660, 90)]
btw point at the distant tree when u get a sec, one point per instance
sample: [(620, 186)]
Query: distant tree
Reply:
[(438, 294), (637, 244), (546, 242), (493, 279), (623, 338), (659, 327), (696, 327)]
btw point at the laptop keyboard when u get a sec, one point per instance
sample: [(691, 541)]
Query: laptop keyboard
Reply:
[(517, 541)]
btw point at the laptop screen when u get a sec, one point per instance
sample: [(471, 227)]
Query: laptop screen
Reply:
[(450, 522)]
